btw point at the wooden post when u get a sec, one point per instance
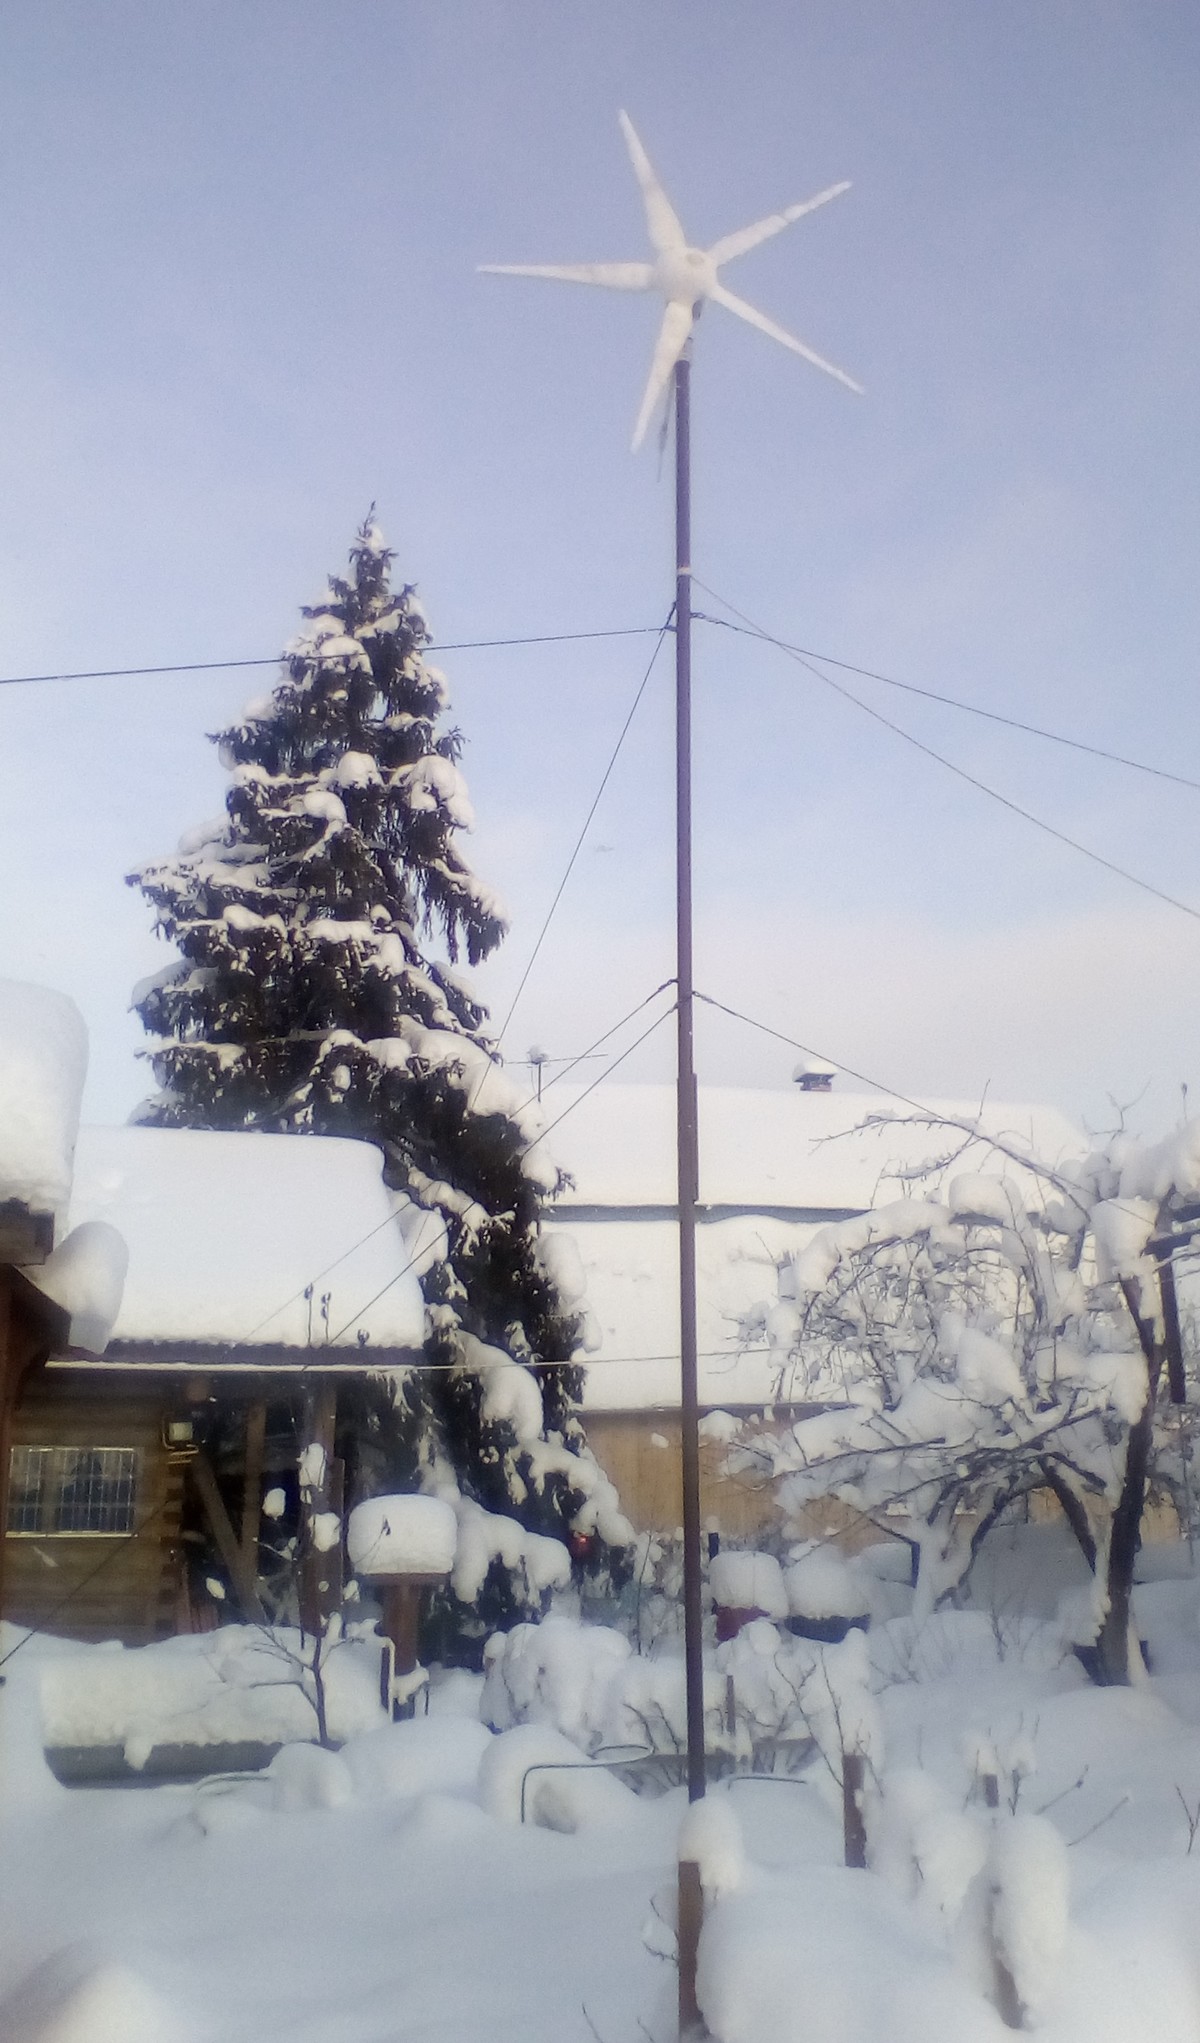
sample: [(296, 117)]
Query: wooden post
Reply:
[(243, 1577), (400, 1623), (320, 1566), (1172, 1331), (854, 1830), (691, 1918), (9, 1386), (256, 1439)]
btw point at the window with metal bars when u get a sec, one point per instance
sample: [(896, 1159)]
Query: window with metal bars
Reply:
[(72, 1490)]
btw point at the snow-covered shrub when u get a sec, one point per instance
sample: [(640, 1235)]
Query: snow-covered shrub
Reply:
[(1029, 1880)]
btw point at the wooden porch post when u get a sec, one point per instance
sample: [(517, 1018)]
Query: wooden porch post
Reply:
[(256, 1438), (320, 1564)]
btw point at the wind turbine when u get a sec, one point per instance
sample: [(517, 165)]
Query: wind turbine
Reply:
[(687, 278)]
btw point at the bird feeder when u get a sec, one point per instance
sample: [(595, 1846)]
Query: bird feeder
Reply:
[(401, 1546)]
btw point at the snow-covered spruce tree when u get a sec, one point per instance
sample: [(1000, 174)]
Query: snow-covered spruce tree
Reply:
[(308, 999)]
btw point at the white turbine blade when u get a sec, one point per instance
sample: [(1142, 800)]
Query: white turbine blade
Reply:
[(720, 296), (662, 222), (614, 276), (672, 340), (762, 230)]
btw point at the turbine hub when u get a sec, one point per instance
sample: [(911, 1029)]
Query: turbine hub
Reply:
[(685, 275)]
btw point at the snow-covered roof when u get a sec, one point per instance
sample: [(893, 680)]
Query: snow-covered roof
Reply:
[(773, 1167), (225, 1231), (43, 1061), (632, 1271), (761, 1150)]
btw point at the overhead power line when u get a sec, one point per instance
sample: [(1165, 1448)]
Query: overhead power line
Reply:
[(960, 772), (461, 645), (992, 716), (605, 777)]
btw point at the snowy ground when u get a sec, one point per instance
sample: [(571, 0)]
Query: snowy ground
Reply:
[(389, 1895)]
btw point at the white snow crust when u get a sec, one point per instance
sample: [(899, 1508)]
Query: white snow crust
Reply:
[(748, 1581), (86, 1275), (226, 1231), (43, 1063)]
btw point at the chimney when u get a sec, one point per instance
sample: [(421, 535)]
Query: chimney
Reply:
[(813, 1076)]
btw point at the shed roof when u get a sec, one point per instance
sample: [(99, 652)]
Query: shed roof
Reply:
[(226, 1230)]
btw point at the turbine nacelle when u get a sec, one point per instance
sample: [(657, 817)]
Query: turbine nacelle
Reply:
[(686, 277)]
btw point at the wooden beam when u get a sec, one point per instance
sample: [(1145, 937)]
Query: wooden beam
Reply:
[(242, 1577), (25, 1237)]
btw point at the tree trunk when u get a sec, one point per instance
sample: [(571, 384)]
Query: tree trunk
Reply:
[(1109, 1661)]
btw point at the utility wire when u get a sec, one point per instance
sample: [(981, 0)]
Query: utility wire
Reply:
[(993, 716), (461, 645), (605, 777), (972, 780)]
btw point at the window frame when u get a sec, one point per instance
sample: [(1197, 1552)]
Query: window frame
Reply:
[(61, 1463)]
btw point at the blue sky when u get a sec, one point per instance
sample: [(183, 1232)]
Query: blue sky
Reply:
[(238, 302)]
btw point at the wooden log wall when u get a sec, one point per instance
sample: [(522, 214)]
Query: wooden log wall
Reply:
[(100, 1586)]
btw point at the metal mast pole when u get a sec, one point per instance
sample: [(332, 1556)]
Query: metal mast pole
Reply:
[(691, 1904), (687, 1110)]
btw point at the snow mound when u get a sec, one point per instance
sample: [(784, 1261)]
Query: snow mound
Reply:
[(438, 1755), (309, 1777), (77, 1997), (239, 1682), (402, 1535), (43, 1061), (568, 1791), (831, 1953)]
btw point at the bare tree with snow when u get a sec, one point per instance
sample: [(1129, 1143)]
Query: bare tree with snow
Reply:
[(992, 1334)]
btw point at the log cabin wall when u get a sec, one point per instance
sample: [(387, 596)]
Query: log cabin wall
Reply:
[(640, 1453), (96, 1585)]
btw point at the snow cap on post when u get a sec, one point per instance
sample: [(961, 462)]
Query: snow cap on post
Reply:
[(402, 1535)]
